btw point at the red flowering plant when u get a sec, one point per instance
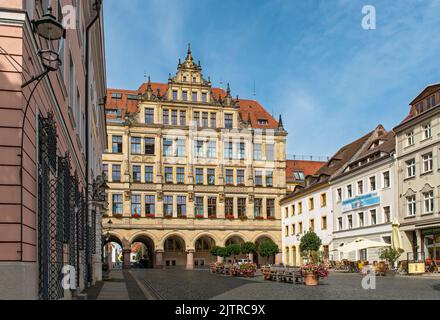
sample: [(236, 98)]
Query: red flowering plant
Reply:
[(150, 216), (230, 217), (248, 269), (136, 216), (259, 218), (200, 216), (321, 269)]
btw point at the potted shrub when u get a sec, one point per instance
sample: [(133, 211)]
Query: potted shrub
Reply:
[(390, 255), (310, 244)]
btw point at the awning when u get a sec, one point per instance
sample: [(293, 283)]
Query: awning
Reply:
[(361, 244)]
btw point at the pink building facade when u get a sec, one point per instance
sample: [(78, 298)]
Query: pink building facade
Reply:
[(51, 199)]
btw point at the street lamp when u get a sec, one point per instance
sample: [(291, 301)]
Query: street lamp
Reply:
[(49, 28)]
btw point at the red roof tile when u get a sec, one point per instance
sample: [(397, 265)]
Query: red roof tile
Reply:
[(248, 108), (308, 167)]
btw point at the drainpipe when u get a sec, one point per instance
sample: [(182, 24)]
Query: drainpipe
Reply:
[(97, 7)]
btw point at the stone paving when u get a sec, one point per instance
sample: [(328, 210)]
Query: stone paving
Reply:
[(114, 288), (202, 285)]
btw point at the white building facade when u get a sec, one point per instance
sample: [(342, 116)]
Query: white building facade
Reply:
[(364, 205)]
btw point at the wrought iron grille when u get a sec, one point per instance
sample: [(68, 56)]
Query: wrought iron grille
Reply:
[(50, 231)]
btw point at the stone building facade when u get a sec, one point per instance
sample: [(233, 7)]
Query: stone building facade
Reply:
[(418, 176), (190, 167), (46, 127)]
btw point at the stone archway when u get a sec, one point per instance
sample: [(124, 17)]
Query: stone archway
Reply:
[(112, 251), (142, 252), (202, 254), (174, 254)]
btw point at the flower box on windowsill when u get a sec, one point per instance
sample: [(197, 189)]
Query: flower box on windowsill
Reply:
[(259, 218), (136, 216), (270, 218), (213, 217), (200, 216), (243, 218), (230, 217), (181, 217), (118, 215), (150, 216), (168, 216)]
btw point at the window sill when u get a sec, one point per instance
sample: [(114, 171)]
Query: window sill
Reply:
[(427, 214), (409, 178), (426, 139), (409, 217), (426, 173)]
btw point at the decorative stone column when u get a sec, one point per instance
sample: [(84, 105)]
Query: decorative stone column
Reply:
[(251, 257), (220, 259), (190, 260), (159, 259), (126, 255)]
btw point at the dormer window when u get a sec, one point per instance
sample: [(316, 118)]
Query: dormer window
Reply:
[(431, 102), (299, 175), (419, 107), (263, 122), (116, 95)]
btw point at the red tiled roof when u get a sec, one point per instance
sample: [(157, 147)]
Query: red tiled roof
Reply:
[(248, 108), (308, 167)]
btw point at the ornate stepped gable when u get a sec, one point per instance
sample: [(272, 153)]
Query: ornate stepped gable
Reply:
[(252, 114)]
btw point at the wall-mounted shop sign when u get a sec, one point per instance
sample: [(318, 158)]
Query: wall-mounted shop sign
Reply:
[(359, 202)]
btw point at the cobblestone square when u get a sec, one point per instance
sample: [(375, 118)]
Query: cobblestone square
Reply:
[(202, 285)]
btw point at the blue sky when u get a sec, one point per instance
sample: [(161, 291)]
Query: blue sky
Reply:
[(311, 61)]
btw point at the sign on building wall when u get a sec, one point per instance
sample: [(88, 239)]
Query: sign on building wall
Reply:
[(359, 202)]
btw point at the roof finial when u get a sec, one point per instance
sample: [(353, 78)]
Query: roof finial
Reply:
[(189, 57), (228, 90), (280, 123)]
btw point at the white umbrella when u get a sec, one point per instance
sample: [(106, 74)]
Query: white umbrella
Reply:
[(396, 238), (361, 244)]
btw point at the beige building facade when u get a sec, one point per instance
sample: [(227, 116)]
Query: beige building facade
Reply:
[(189, 167), (418, 177)]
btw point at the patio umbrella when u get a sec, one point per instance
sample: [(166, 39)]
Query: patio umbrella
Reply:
[(396, 238), (361, 244)]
